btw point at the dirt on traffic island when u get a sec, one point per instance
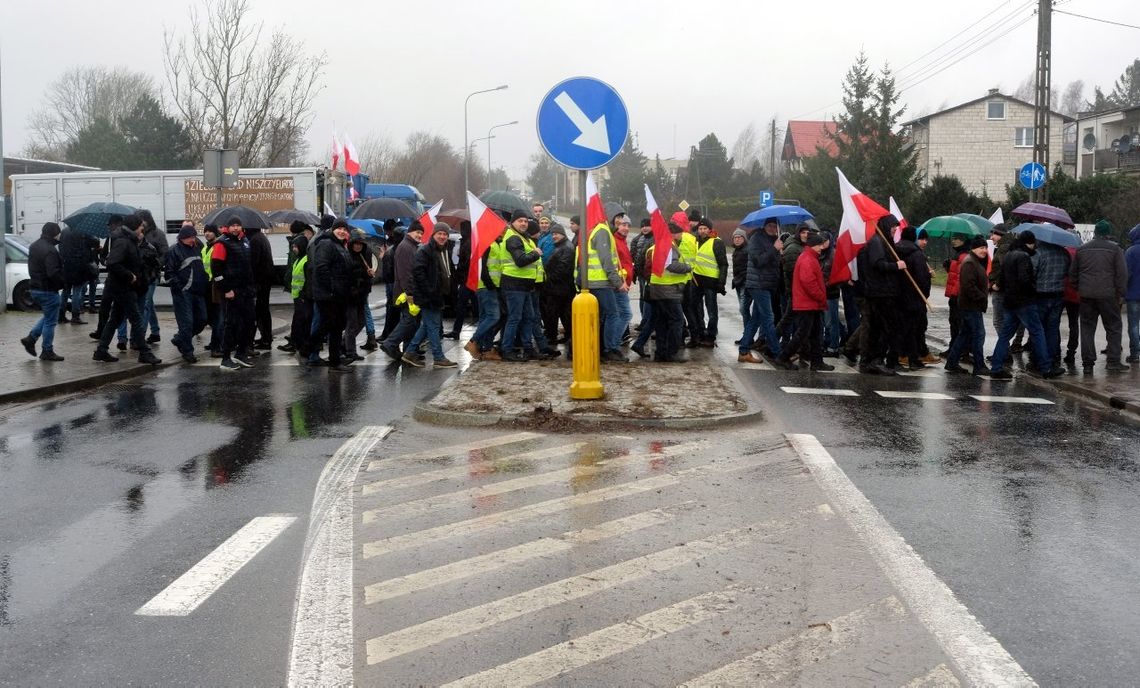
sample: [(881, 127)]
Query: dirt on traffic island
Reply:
[(537, 394)]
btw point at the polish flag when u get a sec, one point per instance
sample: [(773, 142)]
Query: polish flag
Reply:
[(351, 160), (860, 214), (486, 227), (428, 220), (898, 214), (595, 211), (336, 149), (662, 237)]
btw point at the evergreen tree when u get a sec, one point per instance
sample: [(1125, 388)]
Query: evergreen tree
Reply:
[(625, 179), (710, 170), (855, 126), (891, 162), (156, 140), (100, 144), (1126, 90)]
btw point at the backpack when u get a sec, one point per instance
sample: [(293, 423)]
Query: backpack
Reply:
[(152, 265)]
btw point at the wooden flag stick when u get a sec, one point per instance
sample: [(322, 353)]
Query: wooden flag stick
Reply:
[(909, 276)]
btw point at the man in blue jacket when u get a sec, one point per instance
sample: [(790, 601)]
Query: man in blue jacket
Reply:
[(1132, 294), (186, 277)]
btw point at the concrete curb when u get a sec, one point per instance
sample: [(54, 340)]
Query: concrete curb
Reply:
[(425, 413)]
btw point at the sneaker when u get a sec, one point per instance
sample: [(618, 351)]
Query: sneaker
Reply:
[(190, 358), (287, 348), (472, 348), (49, 355), (955, 370), (412, 360), (1000, 375), (747, 358), (1117, 367), (153, 338), (444, 363), (229, 364), (149, 358), (104, 357), (29, 345), (243, 361), (821, 367)]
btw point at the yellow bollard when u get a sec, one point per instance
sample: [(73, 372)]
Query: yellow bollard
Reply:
[(587, 358)]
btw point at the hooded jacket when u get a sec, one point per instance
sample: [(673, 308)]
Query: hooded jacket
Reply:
[(763, 262), (560, 269), (1098, 271), (431, 276), (973, 284), (1132, 263), (45, 266), (183, 269), (124, 263), (331, 268), (79, 252), (878, 269), (261, 257), (1018, 280), (915, 260), (792, 250)]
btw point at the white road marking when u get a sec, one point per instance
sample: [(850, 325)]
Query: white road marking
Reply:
[(778, 662), (463, 471), (821, 391), (1011, 400), (606, 642), (321, 651), (457, 449), (980, 658), (426, 504), (428, 633), (930, 396), (551, 506), (939, 677), (194, 587), (486, 563)]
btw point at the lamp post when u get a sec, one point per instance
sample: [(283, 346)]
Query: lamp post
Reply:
[(489, 137), (466, 149), (488, 140)]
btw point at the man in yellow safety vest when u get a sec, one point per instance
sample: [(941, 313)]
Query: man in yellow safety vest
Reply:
[(710, 272)]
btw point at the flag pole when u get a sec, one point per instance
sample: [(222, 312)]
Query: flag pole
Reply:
[(890, 246)]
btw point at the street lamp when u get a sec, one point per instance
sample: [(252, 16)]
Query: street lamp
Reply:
[(489, 137), (466, 184)]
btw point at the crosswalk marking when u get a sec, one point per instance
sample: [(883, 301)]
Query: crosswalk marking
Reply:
[(464, 470), (438, 630), (606, 642), (930, 396), (777, 662), (938, 677), (457, 449), (549, 478), (545, 508), (466, 568), (1011, 400), (194, 587), (821, 391)]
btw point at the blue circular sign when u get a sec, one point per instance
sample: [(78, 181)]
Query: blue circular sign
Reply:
[(583, 123), (1032, 175)]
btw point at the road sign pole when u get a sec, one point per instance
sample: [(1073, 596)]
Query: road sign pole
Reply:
[(584, 335)]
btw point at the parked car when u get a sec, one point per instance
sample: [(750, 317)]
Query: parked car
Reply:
[(16, 278)]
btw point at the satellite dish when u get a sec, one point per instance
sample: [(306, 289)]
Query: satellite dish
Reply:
[(1125, 144), (1089, 142), (1115, 145)]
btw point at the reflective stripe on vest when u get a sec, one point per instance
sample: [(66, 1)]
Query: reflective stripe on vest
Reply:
[(705, 261), (510, 269), (494, 264), (207, 253), (298, 282), (594, 270), (666, 276)]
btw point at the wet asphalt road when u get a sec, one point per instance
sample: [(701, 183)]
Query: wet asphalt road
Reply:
[(105, 498), (1029, 512)]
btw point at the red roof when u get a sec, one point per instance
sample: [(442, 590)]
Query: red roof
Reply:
[(805, 136)]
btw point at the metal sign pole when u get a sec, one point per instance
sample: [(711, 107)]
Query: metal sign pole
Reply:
[(585, 326), (3, 205)]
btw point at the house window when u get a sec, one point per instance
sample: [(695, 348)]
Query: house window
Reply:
[(995, 109), (1023, 137)]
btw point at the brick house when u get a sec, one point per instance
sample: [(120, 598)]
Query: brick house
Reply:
[(983, 142)]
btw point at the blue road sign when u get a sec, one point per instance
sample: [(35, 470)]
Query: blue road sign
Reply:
[(1032, 175), (583, 123), (767, 198)]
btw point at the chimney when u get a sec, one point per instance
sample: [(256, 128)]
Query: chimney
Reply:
[(994, 91)]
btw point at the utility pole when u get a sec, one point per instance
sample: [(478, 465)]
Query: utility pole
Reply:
[(1042, 92), (3, 208)]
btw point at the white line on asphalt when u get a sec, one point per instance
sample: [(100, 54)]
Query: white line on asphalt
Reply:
[(194, 587), (977, 654), (425, 504), (321, 651), (1011, 400), (464, 470), (606, 642), (821, 391), (930, 396), (939, 677), (435, 631), (457, 449), (780, 661), (551, 506), (486, 563)]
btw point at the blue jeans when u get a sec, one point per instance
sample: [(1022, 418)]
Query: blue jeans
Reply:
[(431, 324), (832, 328), (625, 311), (745, 301), (75, 297), (488, 318), (851, 314), (520, 320), (541, 343), (762, 321), (972, 334), (1027, 317), (647, 323), (190, 314), (1049, 310), (1133, 328), (611, 323), (48, 302), (369, 324)]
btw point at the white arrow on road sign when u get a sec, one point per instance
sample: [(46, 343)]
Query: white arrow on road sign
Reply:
[(594, 134)]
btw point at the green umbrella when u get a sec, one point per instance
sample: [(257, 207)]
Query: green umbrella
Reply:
[(945, 225), (980, 222)]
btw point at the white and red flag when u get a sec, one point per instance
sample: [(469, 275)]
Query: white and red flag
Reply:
[(898, 216), (595, 211), (860, 214), (428, 221), (351, 159), (662, 237), (486, 227), (336, 149)]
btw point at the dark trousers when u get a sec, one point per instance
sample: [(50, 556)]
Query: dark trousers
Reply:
[(353, 324), (122, 307), (1073, 312), (214, 320), (690, 307), (190, 314), (301, 326), (403, 331), (331, 328), (883, 337), (238, 314), (556, 307), (261, 312), (955, 318), (391, 313), (669, 319), (807, 340), (971, 339), (859, 339), (708, 311), (1108, 311), (913, 324), (464, 303)]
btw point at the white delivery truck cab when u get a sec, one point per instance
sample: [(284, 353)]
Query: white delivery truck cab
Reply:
[(174, 196)]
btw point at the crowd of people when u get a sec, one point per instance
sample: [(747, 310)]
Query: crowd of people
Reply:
[(794, 315)]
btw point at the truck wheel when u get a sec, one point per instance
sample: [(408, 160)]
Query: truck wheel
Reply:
[(22, 297)]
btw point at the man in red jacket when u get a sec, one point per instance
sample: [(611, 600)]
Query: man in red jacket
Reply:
[(809, 301)]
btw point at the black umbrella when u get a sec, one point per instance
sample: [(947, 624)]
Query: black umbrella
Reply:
[(505, 200), (92, 219), (289, 216), (613, 208), (383, 209), (249, 217)]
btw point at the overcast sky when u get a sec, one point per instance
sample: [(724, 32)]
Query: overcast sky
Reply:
[(683, 68)]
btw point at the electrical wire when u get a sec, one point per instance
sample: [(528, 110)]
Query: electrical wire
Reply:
[(976, 38), (1103, 21), (969, 54), (940, 45), (987, 37)]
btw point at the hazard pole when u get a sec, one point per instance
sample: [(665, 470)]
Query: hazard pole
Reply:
[(585, 338)]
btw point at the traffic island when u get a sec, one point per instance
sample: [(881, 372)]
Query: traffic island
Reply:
[(536, 394)]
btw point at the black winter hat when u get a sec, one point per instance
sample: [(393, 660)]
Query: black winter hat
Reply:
[(908, 234), (977, 242), (50, 230), (327, 221), (519, 215), (187, 232), (815, 239)]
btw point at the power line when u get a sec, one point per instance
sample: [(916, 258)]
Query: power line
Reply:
[(1005, 18), (983, 40), (1102, 21), (939, 71)]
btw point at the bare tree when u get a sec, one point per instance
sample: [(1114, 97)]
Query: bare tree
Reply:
[(77, 99), (1027, 91), (1073, 98), (746, 150), (236, 90), (376, 156), (430, 163)]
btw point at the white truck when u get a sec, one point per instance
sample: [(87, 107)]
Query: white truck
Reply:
[(174, 196)]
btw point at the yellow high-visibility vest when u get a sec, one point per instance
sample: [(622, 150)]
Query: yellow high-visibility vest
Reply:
[(510, 269), (705, 260), (666, 276), (594, 270)]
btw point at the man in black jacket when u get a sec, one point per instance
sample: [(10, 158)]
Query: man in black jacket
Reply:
[(879, 272), (45, 268), (331, 271), (79, 252), (558, 292), (186, 278), (125, 287), (464, 297), (1019, 285), (261, 259), (233, 278), (431, 282), (403, 259), (912, 303)]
